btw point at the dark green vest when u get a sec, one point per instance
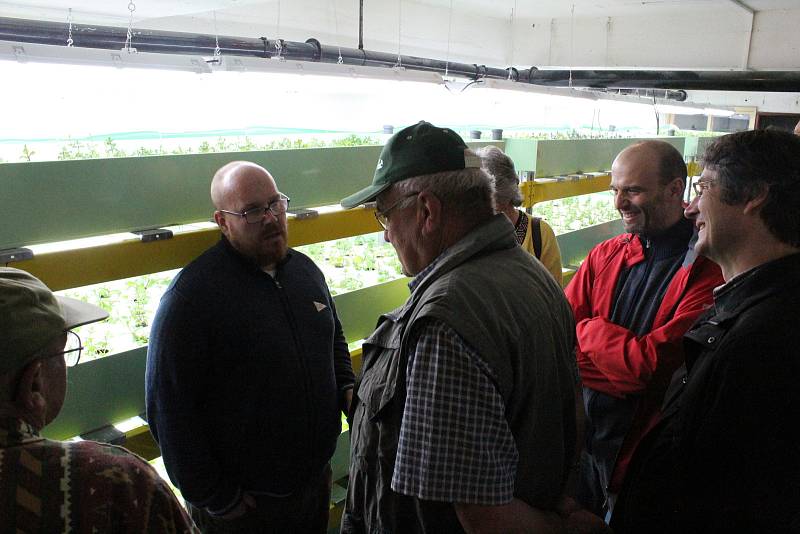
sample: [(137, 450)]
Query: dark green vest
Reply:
[(507, 307)]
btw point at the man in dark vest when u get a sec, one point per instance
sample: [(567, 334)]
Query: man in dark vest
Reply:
[(464, 414)]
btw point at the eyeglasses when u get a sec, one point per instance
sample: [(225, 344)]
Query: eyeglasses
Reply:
[(256, 215), (72, 350), (702, 185), (383, 215)]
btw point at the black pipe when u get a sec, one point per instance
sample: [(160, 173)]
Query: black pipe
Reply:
[(156, 41), (778, 81)]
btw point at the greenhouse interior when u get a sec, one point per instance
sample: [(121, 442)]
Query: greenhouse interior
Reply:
[(117, 115)]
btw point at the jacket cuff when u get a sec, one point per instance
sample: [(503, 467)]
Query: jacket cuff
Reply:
[(226, 507)]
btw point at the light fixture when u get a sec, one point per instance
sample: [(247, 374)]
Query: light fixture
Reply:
[(39, 53), (590, 94), (288, 66), (510, 85)]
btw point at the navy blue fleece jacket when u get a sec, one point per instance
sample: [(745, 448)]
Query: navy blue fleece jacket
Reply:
[(245, 377)]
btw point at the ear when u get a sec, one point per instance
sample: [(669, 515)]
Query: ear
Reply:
[(221, 221), (429, 212), (677, 186), (754, 205), (30, 389)]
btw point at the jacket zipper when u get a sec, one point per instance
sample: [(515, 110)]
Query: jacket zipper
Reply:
[(301, 355)]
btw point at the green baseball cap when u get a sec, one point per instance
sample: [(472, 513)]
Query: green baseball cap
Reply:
[(32, 316), (414, 151)]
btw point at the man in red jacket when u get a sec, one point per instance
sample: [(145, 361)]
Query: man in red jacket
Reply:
[(633, 298)]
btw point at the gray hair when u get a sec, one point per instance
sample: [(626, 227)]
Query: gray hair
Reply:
[(467, 193), (506, 181)]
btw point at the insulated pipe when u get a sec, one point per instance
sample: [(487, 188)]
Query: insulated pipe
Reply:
[(368, 58), (778, 81), (156, 41), (113, 38)]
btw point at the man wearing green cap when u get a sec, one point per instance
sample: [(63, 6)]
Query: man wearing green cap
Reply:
[(464, 415), (53, 486)]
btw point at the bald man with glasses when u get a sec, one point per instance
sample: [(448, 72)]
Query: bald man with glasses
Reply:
[(248, 370)]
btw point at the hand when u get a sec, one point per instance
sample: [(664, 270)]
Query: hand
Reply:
[(348, 401), (580, 521), (247, 502)]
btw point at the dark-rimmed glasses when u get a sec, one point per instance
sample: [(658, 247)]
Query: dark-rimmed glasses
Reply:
[(72, 350), (701, 185), (383, 215), (256, 215)]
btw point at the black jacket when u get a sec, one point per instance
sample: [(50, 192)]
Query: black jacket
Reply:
[(245, 376), (726, 455)]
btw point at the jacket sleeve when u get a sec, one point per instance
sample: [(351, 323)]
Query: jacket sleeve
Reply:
[(551, 254), (165, 512), (579, 295), (628, 362), (342, 364), (177, 377)]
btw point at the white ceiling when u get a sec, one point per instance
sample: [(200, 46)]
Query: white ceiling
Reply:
[(99, 11), (668, 34)]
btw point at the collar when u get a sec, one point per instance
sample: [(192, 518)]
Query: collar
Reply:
[(417, 280), (741, 292), (15, 431), (669, 242), (495, 234)]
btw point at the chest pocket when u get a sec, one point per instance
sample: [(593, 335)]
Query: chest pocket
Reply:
[(710, 332), (383, 375)]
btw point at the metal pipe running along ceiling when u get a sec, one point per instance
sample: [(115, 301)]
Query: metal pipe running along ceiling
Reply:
[(165, 42)]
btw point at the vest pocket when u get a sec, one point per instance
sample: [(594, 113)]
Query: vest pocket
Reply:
[(378, 383)]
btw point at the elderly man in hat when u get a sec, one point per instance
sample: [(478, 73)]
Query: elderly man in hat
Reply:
[(55, 486), (464, 415)]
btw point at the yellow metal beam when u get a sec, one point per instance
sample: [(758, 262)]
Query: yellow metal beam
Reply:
[(694, 168), (355, 358), (92, 265), (535, 191), (131, 257)]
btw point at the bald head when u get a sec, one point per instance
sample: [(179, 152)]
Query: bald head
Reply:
[(797, 128), (242, 186), (648, 180), (659, 157), (228, 179)]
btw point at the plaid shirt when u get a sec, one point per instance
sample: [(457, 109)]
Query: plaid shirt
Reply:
[(455, 443), (80, 487)]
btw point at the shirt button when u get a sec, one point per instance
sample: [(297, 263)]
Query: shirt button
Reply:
[(712, 339)]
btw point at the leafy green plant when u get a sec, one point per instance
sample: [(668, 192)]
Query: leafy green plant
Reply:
[(109, 148), (112, 150), (27, 154), (574, 213), (78, 150)]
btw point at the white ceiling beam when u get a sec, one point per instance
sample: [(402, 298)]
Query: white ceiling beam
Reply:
[(741, 5), (748, 40)]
